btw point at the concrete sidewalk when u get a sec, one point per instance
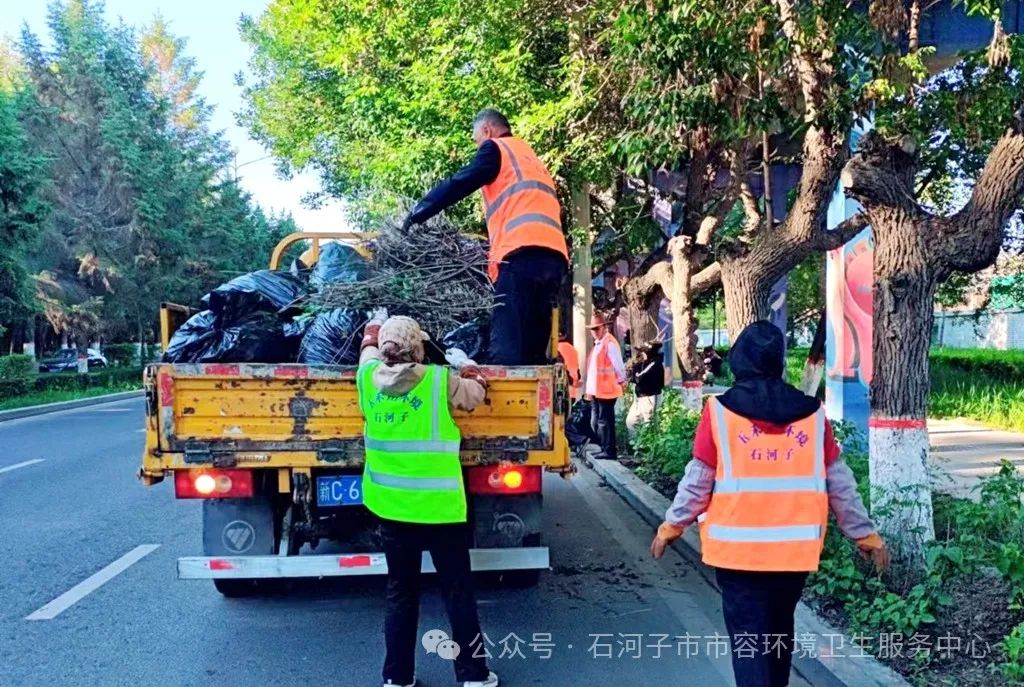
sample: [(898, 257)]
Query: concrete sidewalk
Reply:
[(964, 451)]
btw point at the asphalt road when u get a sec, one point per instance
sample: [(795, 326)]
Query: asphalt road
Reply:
[(70, 506)]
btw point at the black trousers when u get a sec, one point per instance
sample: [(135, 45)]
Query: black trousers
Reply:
[(448, 545), (603, 418), (759, 609), (526, 291)]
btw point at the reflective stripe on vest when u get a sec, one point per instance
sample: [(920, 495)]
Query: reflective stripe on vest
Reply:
[(414, 483), (769, 508), (765, 534), (521, 205), (730, 484), (412, 471)]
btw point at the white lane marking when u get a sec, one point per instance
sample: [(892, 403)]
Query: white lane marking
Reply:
[(92, 583), (21, 465)]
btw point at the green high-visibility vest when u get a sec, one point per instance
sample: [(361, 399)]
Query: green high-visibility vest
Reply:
[(412, 471)]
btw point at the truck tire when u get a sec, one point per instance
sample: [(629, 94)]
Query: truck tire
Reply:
[(238, 589), (239, 527)]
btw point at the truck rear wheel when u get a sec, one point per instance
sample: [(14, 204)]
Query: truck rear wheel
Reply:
[(238, 589)]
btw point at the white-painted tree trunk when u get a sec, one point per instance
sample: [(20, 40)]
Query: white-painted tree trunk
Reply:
[(582, 302), (693, 396), (901, 502)]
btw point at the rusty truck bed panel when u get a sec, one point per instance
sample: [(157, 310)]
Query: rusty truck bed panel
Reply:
[(292, 415)]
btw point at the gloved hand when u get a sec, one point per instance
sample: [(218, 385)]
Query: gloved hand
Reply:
[(667, 533), (407, 224), (471, 371), (873, 548), (372, 330), (457, 358)]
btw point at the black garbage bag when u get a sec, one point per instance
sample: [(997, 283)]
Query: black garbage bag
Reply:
[(333, 338), (472, 338), (256, 338), (191, 338), (338, 263), (262, 291), (578, 430)]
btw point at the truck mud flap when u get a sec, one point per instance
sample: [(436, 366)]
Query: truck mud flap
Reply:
[(246, 567)]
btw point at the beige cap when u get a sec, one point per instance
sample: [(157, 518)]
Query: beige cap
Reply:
[(402, 331)]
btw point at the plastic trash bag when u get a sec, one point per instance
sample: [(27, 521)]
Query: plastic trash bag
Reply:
[(257, 338), (333, 338), (472, 338), (191, 338), (578, 430), (262, 291), (338, 263)]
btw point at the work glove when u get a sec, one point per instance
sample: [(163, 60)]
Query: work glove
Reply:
[(371, 332), (873, 548), (457, 358), (407, 224), (666, 534)]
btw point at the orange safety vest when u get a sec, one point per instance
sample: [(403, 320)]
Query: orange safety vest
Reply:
[(769, 509), (608, 386), (572, 366), (521, 205)]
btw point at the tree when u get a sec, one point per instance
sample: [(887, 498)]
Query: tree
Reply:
[(710, 87), (23, 207), (962, 128)]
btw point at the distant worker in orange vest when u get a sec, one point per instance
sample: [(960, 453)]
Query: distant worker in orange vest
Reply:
[(766, 471), (605, 382), (571, 359), (529, 257)]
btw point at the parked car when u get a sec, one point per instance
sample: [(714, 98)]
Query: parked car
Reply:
[(67, 360)]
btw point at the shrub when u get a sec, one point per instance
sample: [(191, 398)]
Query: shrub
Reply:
[(664, 445), (17, 373), (122, 355)]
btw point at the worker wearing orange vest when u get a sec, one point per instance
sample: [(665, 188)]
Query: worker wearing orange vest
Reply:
[(571, 359), (605, 382), (529, 257), (766, 472)]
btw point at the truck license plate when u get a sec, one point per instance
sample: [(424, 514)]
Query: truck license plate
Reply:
[(339, 490)]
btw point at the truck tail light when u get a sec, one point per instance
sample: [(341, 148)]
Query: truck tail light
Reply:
[(518, 479), (213, 484)]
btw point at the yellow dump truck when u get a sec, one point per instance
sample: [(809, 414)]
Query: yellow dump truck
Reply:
[(275, 454)]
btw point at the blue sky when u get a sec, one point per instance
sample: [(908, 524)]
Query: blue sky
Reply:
[(211, 29)]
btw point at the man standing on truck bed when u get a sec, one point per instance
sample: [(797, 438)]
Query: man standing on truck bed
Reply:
[(412, 480), (529, 257)]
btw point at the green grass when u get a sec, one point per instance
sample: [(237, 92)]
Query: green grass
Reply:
[(993, 398), (58, 395)]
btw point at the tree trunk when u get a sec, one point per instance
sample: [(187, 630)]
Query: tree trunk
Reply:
[(582, 302), (904, 295), (747, 296), (685, 263)]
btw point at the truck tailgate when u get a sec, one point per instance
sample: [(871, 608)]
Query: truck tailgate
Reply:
[(206, 410)]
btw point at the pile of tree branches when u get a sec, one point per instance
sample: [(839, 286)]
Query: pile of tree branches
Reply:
[(431, 272)]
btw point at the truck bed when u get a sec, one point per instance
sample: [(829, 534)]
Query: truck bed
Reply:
[(270, 415)]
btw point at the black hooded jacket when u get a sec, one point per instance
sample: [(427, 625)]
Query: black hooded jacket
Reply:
[(757, 361)]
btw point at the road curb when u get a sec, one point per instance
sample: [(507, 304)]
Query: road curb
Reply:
[(821, 671), (46, 408)]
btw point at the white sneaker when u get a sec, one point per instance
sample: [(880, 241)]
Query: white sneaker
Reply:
[(389, 683), (491, 681)]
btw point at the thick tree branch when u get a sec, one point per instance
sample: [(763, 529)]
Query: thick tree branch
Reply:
[(841, 234), (708, 278), (810, 79), (971, 239)]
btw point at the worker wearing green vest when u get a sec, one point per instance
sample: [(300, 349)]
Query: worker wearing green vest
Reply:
[(413, 481)]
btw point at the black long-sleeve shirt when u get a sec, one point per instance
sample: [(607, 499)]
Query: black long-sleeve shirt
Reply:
[(481, 171)]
